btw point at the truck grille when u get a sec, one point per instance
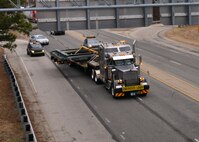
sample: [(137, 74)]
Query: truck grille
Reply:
[(131, 78)]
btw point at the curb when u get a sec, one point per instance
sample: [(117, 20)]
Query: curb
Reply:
[(25, 119)]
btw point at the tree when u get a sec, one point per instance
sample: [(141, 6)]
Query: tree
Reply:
[(9, 22)]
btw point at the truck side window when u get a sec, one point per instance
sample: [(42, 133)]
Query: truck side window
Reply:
[(85, 42), (110, 62)]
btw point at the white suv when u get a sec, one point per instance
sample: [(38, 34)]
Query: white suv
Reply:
[(40, 38)]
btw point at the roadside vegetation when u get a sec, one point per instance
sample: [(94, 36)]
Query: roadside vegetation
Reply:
[(12, 21), (10, 124)]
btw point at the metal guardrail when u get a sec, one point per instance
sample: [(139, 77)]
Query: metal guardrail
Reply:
[(25, 119)]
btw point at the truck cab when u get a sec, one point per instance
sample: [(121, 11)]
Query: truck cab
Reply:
[(119, 71)]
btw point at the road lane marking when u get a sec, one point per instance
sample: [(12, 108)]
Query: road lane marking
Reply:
[(122, 137), (107, 120), (196, 140), (177, 63), (140, 99), (174, 51)]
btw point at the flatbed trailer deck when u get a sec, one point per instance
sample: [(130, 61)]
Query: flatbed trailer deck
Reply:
[(72, 57)]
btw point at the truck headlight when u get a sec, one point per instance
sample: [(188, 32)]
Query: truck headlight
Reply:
[(42, 50), (119, 81), (113, 70), (32, 51), (142, 79)]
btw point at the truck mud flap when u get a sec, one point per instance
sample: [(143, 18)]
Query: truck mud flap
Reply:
[(119, 94)]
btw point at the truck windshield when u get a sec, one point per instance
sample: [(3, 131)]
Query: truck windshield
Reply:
[(123, 62), (125, 48), (93, 41), (111, 50)]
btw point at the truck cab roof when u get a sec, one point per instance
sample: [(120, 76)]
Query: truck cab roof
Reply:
[(119, 49)]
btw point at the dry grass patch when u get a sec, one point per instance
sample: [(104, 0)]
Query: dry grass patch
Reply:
[(10, 123), (186, 34)]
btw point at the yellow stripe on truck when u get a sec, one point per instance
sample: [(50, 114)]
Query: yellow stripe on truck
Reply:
[(132, 88)]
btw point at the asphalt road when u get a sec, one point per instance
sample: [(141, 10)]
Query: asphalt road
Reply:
[(63, 116), (164, 115)]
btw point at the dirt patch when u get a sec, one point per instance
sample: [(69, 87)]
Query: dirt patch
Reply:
[(10, 124), (185, 34)]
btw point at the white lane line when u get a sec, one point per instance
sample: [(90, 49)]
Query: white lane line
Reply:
[(28, 75), (122, 137), (196, 140), (177, 63), (140, 99), (174, 51), (107, 120)]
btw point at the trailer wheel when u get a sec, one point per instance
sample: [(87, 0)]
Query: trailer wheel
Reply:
[(93, 74)]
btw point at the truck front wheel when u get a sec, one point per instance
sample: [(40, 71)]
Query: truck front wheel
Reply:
[(113, 92), (92, 74), (97, 80)]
